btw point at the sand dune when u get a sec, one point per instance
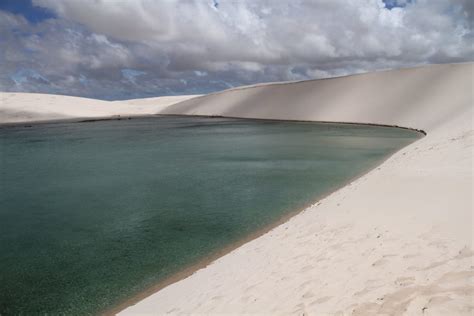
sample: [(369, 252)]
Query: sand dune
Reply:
[(419, 98), (29, 107), (396, 241)]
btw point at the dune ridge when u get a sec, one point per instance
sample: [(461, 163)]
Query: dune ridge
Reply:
[(396, 241)]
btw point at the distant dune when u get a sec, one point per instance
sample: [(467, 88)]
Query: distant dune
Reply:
[(396, 241), (33, 107)]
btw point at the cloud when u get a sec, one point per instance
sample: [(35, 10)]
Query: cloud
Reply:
[(202, 46)]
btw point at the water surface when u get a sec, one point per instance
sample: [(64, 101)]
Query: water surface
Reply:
[(93, 213)]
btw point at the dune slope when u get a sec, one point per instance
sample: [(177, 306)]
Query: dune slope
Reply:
[(396, 241)]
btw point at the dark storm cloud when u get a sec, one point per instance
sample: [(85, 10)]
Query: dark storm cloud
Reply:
[(93, 48)]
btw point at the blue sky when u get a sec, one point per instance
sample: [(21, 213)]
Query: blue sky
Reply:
[(32, 13), (126, 49), (390, 4)]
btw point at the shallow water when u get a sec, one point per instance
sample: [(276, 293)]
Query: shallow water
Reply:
[(93, 213)]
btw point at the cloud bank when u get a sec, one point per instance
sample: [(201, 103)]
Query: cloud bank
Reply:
[(124, 49)]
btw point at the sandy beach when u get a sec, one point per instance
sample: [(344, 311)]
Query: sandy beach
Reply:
[(396, 241)]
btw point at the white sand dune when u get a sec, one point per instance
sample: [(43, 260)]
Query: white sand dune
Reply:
[(33, 107), (396, 241)]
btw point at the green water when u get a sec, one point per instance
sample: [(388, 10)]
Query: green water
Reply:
[(93, 213)]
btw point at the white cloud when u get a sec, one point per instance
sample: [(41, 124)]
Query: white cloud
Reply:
[(280, 32), (235, 42)]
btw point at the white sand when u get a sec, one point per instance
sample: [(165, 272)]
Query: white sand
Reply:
[(396, 241), (31, 107)]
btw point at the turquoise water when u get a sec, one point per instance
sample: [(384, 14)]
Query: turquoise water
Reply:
[(93, 213)]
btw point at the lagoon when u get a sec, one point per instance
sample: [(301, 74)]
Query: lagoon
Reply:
[(94, 213)]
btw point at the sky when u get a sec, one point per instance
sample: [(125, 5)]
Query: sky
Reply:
[(121, 49)]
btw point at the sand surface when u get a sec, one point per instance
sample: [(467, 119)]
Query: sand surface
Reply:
[(396, 241), (33, 107)]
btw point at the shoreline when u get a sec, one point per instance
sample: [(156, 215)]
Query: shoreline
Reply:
[(77, 120), (131, 117), (205, 262)]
